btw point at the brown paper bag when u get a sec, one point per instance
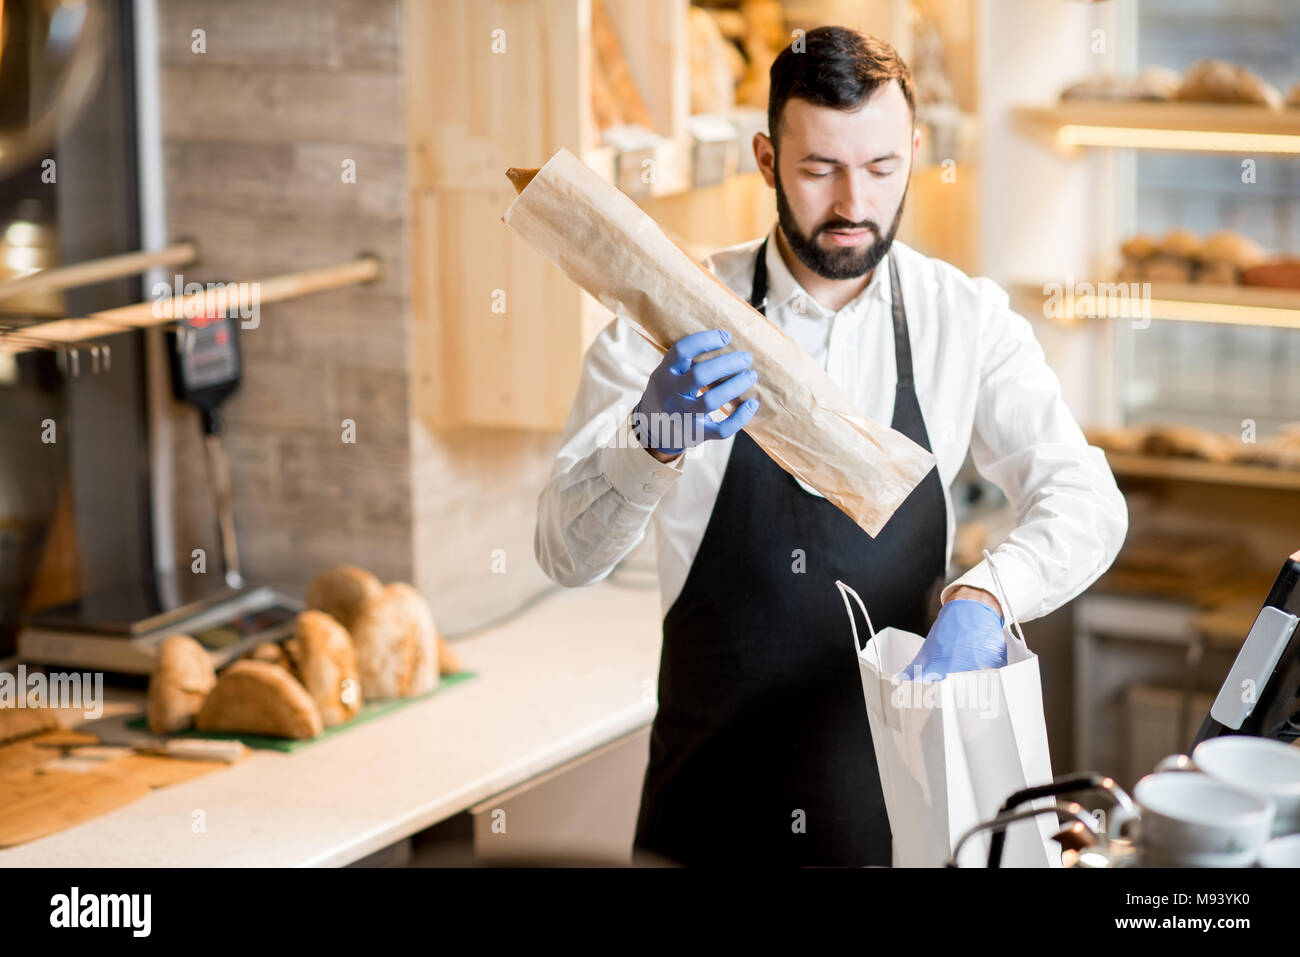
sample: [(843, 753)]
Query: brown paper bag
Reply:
[(805, 422)]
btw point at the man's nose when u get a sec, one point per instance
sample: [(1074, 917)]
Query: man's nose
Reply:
[(851, 201)]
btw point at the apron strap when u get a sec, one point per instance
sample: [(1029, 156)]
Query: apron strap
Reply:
[(758, 289), (902, 342)]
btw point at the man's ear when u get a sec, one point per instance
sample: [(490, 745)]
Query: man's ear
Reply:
[(916, 143), (765, 157)]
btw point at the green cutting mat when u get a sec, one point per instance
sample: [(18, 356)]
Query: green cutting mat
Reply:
[(368, 711)]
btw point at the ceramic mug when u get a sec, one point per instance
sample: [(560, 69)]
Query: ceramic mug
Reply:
[(1189, 819), (1261, 766), (1281, 852)]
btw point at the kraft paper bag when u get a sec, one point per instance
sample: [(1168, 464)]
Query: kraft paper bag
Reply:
[(607, 245), (951, 751)]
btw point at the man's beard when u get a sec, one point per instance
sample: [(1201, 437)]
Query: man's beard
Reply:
[(844, 263)]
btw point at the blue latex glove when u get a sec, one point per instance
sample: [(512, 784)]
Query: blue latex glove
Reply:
[(966, 636), (672, 416)]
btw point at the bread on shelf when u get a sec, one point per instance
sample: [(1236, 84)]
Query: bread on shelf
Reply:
[(1282, 273), (1218, 81), (1155, 83), (617, 79), (1226, 255)]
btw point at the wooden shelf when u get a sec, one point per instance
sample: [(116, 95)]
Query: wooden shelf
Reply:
[(1177, 301), (1134, 465), (1198, 127)]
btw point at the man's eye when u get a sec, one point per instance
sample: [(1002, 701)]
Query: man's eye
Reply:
[(882, 173), (818, 175)]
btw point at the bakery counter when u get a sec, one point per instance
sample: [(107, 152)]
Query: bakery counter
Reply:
[(572, 676)]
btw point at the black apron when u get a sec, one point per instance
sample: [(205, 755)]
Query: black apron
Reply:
[(761, 752)]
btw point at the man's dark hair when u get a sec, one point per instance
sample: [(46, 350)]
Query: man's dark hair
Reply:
[(839, 68)]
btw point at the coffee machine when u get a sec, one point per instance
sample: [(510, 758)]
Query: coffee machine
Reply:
[(87, 575)]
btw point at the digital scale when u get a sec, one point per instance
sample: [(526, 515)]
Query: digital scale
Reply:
[(120, 630)]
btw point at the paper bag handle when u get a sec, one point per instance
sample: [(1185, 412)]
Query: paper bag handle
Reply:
[(845, 592), (1002, 597)]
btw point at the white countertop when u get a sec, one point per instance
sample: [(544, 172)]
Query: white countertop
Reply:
[(572, 673)]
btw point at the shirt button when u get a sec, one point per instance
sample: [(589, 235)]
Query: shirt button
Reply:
[(647, 487), (661, 475)]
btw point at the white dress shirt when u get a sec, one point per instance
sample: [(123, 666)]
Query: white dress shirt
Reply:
[(982, 382)]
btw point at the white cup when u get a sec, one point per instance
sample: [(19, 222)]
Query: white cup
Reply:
[(1281, 852), (1261, 766), (1191, 820)]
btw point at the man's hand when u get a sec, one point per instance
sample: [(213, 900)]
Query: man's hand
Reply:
[(673, 414), (967, 636)]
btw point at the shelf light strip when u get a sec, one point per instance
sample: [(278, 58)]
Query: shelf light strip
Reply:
[(1212, 141), (1186, 311)]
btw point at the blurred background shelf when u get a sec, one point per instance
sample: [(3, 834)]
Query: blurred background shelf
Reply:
[(1131, 465), (1198, 127), (1178, 301), (485, 309)]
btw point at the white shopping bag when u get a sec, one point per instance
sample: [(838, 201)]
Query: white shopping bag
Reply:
[(951, 751)]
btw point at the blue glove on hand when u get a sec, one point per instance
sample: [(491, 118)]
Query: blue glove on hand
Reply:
[(967, 636), (672, 414)]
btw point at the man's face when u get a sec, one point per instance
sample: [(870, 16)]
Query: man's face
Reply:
[(841, 179)]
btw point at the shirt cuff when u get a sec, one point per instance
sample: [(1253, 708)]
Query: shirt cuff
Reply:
[(1023, 590), (633, 472)]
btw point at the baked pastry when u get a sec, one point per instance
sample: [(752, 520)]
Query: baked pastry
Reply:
[(1174, 258), (339, 591), (520, 178), (182, 678), (1158, 83), (257, 697), (18, 723), (1136, 252), (1153, 83), (1277, 274), (765, 38), (1276, 453), (1218, 81), (396, 644), (713, 82), (612, 64), (1185, 441), (1225, 255), (271, 652), (1130, 438), (448, 660), (324, 661)]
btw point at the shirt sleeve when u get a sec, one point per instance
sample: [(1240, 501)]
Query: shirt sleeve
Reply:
[(603, 486), (1071, 518)]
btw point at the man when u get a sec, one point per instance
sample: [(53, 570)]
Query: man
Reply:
[(761, 750)]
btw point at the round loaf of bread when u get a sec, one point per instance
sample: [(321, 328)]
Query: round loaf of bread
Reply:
[(396, 644), (182, 678), (323, 660), (341, 590), (257, 697), (1232, 248)]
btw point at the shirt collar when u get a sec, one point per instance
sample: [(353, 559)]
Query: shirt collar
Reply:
[(782, 287)]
